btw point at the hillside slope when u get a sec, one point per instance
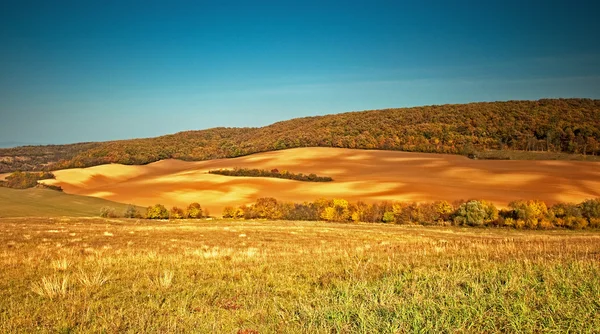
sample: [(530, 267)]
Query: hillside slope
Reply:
[(556, 125), (358, 175), (37, 202)]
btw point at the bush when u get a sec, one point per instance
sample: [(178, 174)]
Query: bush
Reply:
[(176, 213), (337, 210), (476, 213), (108, 212), (591, 208), (131, 212), (576, 223), (562, 210), (388, 217), (304, 211), (532, 212), (594, 222), (229, 212), (272, 173), (24, 180), (157, 211)]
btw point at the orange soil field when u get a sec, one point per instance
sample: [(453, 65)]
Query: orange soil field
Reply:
[(366, 175)]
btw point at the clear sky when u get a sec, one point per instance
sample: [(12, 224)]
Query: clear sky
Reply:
[(85, 70)]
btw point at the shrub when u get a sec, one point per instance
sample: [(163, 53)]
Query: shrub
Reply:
[(404, 213), (271, 173), (337, 210), (229, 212), (475, 213), (24, 180), (131, 212), (108, 212), (176, 213), (304, 211), (576, 223), (443, 211), (194, 211), (532, 212), (158, 211), (509, 222), (595, 222), (388, 217), (590, 208)]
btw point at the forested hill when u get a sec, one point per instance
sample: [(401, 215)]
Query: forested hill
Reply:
[(555, 125)]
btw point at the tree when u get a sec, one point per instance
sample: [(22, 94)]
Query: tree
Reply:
[(590, 208), (131, 212), (532, 212), (228, 212), (388, 217), (176, 213), (337, 210), (194, 210), (266, 207), (475, 213), (158, 211), (108, 212)]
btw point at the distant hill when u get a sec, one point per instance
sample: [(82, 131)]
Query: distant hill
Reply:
[(552, 125), (36, 202)]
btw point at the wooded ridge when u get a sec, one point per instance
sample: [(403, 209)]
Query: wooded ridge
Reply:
[(549, 125)]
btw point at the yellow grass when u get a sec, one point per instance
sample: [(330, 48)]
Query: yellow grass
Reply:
[(219, 276)]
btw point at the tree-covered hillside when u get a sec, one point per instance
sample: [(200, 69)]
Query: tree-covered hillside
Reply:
[(554, 125)]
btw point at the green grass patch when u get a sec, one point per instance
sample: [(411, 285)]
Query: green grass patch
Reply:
[(36, 202)]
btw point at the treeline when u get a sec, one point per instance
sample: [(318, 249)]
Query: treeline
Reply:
[(530, 214), (39, 158), (548, 125), (158, 211), (272, 173), (25, 180)]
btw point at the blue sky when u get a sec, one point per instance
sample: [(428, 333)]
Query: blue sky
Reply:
[(75, 71)]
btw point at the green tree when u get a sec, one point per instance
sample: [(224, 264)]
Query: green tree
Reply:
[(475, 213), (590, 208)]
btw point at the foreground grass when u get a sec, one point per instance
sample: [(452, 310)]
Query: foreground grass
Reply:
[(95, 275)]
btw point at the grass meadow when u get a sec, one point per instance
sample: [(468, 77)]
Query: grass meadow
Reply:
[(51, 203), (72, 275)]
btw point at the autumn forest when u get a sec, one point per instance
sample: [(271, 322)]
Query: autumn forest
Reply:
[(570, 126)]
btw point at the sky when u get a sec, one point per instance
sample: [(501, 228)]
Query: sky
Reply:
[(77, 71)]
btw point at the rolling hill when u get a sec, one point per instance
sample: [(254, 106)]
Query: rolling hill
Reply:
[(37, 202), (365, 175), (551, 125)]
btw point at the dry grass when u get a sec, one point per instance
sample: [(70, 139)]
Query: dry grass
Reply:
[(92, 279), (164, 280), (293, 277), (51, 287)]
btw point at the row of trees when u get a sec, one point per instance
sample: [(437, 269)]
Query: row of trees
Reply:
[(24, 180), (555, 125), (532, 214), (158, 211), (272, 173)]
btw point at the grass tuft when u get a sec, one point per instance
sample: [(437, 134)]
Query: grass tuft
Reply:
[(163, 280), (51, 287)]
